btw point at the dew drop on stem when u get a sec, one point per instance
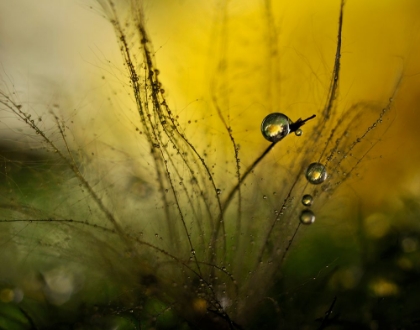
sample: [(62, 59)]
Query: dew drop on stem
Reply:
[(275, 127), (307, 217), (307, 200), (316, 173)]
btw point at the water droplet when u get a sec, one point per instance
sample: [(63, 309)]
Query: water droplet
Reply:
[(307, 217), (316, 173), (307, 200), (275, 126), (298, 132), (218, 191)]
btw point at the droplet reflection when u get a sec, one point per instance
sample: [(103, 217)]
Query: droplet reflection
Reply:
[(307, 200), (275, 126), (307, 217), (316, 173)]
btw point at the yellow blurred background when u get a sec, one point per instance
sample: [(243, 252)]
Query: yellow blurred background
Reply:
[(252, 57), (278, 56)]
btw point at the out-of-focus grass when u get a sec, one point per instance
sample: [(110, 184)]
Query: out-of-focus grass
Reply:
[(108, 225)]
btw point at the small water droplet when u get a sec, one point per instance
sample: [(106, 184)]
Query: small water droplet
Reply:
[(316, 173), (264, 196), (307, 217), (218, 191), (307, 200), (275, 126), (298, 132)]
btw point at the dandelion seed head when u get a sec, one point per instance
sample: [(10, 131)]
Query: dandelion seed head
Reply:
[(155, 183)]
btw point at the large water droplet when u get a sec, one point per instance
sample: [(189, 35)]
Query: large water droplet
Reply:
[(307, 200), (316, 173), (307, 217), (275, 126)]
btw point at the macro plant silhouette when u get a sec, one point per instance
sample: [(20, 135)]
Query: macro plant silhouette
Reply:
[(141, 195)]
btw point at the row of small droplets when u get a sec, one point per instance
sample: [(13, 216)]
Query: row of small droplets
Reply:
[(274, 128), (316, 173)]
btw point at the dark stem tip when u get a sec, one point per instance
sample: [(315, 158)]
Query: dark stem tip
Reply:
[(299, 123)]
